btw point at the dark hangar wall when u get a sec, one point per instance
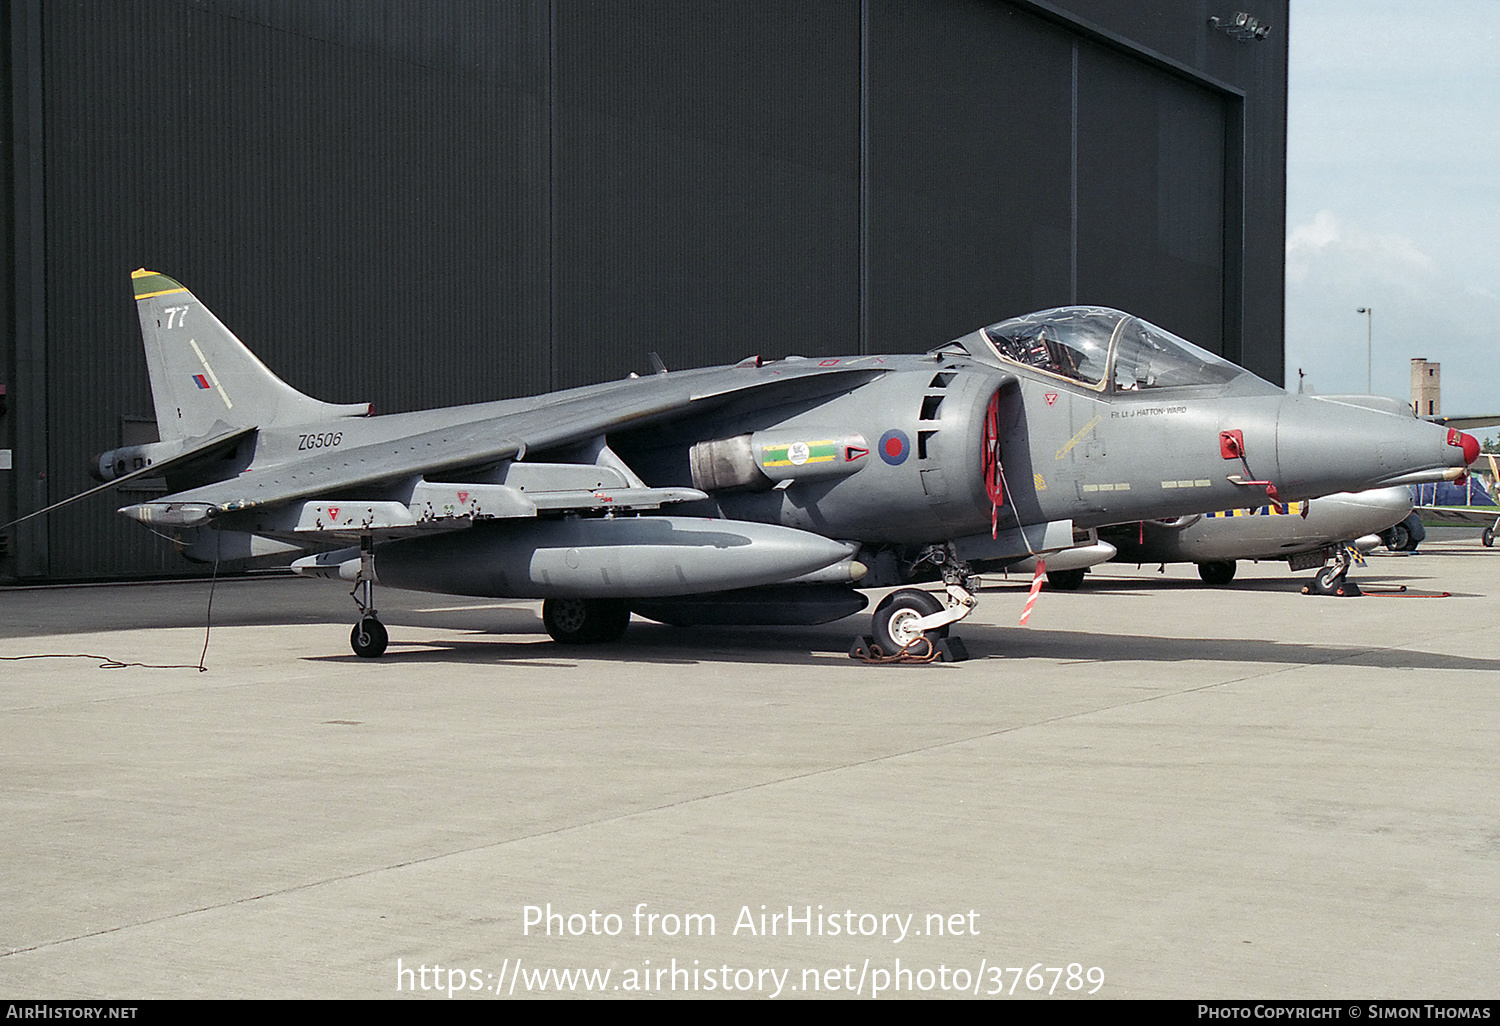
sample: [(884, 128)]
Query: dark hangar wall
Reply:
[(427, 202)]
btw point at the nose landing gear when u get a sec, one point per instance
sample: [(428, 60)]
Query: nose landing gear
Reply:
[(1333, 578), (911, 625), (898, 620)]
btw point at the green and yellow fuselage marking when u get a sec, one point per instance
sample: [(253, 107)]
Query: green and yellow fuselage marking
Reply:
[(799, 454)]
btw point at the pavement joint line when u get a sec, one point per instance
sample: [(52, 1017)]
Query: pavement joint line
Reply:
[(571, 827)]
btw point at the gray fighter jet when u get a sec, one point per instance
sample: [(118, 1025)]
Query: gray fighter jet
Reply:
[(791, 483), (1306, 534)]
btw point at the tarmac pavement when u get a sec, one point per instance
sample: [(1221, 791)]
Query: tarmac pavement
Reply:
[(1182, 791)]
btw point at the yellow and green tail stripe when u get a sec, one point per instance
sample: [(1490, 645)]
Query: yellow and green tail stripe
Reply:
[(149, 283)]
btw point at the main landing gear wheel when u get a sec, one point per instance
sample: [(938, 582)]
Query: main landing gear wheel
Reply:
[(369, 638), (1488, 537), (1400, 538), (573, 621), (1066, 580), (1217, 572), (897, 614)]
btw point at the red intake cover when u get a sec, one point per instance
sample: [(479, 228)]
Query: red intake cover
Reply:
[(1232, 444)]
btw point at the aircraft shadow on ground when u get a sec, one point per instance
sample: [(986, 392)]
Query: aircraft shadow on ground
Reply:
[(1030, 643), (1134, 587), (656, 644)]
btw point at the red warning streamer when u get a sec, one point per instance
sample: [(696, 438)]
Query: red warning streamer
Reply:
[(1036, 589)]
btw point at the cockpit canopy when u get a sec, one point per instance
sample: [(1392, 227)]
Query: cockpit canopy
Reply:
[(1103, 348)]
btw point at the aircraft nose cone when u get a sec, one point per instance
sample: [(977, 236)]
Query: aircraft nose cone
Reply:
[(1333, 445)]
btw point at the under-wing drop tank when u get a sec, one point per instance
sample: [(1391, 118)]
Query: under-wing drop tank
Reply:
[(577, 557)]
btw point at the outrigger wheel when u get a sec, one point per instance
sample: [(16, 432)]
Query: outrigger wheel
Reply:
[(896, 615), (576, 621), (1488, 537), (369, 638)]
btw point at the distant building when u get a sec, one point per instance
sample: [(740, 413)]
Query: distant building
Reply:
[(1426, 388)]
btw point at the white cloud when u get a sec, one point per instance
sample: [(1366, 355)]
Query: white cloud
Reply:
[(1383, 259), (1318, 234), (1391, 197), (1391, 201), (1424, 306)]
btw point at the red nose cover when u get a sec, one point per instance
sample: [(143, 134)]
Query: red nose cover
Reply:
[(1471, 447)]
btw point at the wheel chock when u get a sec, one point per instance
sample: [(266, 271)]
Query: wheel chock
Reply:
[(947, 650), (952, 650), (1348, 589)]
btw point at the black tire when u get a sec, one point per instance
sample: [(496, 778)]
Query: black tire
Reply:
[(573, 621), (369, 638), (1400, 539), (1416, 534), (896, 610), (1065, 580), (1328, 580), (1217, 572), (1488, 537)]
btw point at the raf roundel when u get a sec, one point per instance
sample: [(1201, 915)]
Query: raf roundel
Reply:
[(894, 447)]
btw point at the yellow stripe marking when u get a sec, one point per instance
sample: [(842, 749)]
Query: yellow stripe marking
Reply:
[(164, 292), (810, 460), (1077, 438)]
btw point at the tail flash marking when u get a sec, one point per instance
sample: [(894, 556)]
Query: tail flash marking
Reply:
[(211, 375)]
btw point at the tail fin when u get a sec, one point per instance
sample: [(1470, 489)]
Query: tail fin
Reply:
[(203, 376)]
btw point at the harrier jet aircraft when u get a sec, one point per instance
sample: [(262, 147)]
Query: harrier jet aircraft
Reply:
[(791, 483)]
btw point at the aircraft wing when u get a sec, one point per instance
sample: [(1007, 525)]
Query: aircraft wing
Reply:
[(1483, 420), (514, 428), (1459, 516)]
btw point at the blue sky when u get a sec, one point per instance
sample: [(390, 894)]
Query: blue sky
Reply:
[(1393, 195)]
